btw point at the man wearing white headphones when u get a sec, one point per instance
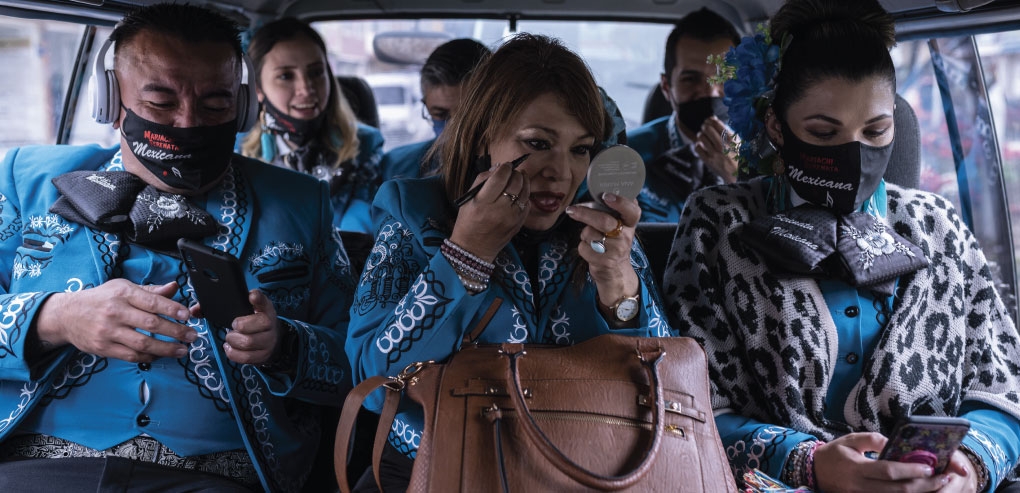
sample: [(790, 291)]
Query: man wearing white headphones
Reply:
[(110, 376)]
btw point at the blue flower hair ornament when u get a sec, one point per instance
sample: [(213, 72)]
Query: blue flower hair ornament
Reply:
[(748, 72)]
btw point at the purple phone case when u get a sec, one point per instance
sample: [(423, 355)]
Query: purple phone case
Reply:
[(926, 440)]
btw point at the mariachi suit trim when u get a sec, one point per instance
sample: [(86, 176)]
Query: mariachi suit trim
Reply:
[(278, 436)]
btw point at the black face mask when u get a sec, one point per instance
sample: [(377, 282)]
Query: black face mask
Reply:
[(840, 177), (293, 129), (183, 158), (693, 113)]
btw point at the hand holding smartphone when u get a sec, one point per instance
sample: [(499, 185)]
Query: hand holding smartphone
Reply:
[(218, 282), (929, 440)]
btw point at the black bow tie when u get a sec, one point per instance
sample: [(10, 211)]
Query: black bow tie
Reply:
[(812, 241), (120, 202)]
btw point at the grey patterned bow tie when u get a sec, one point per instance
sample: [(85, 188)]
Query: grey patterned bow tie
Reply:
[(120, 202)]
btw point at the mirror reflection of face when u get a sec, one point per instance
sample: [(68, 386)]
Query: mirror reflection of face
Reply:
[(836, 111), (295, 78), (162, 80), (441, 100), (689, 79), (559, 160)]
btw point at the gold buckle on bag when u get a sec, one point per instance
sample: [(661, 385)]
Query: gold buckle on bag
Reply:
[(407, 375)]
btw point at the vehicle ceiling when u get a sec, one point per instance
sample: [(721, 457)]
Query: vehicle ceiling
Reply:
[(914, 17)]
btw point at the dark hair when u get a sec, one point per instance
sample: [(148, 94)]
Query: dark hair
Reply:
[(451, 62), (526, 67), (181, 21), (848, 40), (703, 25), (340, 134)]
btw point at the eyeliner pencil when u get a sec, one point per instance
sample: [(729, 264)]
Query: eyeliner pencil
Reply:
[(474, 190)]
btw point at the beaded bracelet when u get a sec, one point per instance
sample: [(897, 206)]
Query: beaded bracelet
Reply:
[(467, 270), (467, 256), (473, 272), (795, 472), (471, 286), (979, 467), (809, 467)]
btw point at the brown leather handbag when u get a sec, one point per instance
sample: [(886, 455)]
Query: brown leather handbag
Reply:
[(611, 413)]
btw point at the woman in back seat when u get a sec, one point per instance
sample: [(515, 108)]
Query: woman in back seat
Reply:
[(307, 125), (833, 305)]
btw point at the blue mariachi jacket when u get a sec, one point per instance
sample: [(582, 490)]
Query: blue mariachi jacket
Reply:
[(278, 222), (667, 185), (352, 203), (410, 305), (406, 161)]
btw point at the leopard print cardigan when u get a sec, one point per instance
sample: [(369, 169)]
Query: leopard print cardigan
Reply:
[(771, 342)]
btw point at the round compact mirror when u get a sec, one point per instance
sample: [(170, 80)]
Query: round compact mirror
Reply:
[(618, 170)]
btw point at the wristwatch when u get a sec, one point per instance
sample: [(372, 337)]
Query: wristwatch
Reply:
[(626, 308)]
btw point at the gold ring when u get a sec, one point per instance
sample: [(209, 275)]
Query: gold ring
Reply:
[(616, 231), (513, 198)]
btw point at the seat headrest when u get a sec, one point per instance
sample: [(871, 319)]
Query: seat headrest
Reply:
[(362, 100), (905, 163)]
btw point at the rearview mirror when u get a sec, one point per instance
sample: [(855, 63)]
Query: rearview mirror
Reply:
[(407, 47)]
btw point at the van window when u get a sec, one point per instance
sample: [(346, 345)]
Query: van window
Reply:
[(1000, 61), (36, 62), (979, 188), (85, 130), (389, 94), (625, 57)]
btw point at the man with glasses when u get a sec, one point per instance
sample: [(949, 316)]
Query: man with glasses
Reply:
[(442, 78)]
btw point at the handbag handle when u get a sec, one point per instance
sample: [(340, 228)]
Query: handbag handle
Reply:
[(345, 428), (571, 468)]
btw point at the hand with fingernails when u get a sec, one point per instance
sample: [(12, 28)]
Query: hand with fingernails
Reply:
[(605, 244), (841, 465), (487, 222), (714, 148)]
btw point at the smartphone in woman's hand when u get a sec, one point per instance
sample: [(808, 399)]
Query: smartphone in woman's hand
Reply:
[(929, 440)]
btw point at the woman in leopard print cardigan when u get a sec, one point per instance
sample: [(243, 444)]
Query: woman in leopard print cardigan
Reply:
[(810, 373)]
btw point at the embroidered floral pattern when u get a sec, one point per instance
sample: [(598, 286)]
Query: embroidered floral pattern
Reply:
[(388, 268), (874, 243), (165, 208)]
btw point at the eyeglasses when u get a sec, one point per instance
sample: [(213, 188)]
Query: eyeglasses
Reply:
[(428, 116), (425, 111)]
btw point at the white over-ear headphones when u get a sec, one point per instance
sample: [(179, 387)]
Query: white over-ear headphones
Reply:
[(105, 93)]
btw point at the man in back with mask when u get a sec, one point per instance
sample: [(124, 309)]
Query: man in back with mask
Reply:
[(687, 150), (109, 374), (442, 77)]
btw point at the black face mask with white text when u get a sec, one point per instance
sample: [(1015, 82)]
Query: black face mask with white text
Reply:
[(293, 129), (183, 158), (840, 177), (692, 114)]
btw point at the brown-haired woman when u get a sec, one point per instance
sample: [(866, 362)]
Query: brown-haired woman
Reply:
[(307, 125), (565, 273)]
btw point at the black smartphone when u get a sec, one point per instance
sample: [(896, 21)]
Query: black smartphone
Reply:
[(929, 440), (218, 282)]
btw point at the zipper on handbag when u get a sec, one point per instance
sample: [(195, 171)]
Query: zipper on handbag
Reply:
[(586, 418)]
